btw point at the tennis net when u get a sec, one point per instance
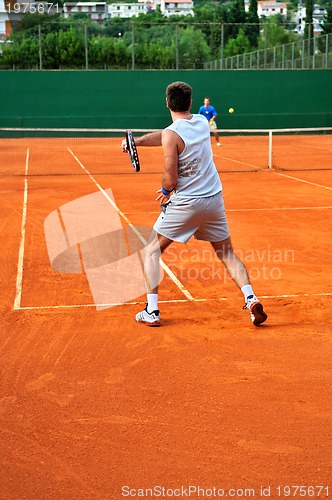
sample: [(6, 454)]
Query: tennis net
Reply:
[(42, 151)]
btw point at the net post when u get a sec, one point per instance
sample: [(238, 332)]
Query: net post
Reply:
[(270, 150)]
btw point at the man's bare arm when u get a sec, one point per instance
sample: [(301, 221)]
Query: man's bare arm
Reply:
[(152, 139), (171, 154)]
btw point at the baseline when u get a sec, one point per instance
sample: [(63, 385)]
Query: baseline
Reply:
[(177, 301)]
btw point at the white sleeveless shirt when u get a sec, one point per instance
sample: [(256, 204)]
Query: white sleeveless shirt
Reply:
[(197, 173)]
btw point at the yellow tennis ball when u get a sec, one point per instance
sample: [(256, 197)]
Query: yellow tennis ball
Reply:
[(231, 110)]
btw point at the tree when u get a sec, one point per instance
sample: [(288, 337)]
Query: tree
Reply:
[(327, 26), (235, 17), (193, 48), (309, 19), (276, 35), (70, 48), (238, 45), (252, 28)]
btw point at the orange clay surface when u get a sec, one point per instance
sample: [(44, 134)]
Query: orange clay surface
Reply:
[(91, 401)]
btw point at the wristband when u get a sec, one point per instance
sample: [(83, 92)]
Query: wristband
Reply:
[(165, 191)]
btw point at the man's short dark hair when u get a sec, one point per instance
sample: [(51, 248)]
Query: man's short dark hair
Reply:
[(178, 95)]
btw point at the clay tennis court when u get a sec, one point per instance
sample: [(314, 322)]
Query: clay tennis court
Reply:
[(94, 405)]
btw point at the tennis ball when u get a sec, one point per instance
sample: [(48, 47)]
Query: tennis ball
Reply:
[(231, 110)]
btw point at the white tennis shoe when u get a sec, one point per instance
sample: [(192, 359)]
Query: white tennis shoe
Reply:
[(149, 319), (257, 313)]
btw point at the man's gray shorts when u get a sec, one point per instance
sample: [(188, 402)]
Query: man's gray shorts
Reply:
[(183, 217)]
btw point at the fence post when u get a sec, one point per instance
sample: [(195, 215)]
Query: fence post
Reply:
[(132, 46), (265, 44), (327, 51), (222, 34), (177, 46), (86, 47), (309, 44), (283, 57), (40, 48)]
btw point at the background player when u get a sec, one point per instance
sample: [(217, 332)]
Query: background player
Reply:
[(210, 114)]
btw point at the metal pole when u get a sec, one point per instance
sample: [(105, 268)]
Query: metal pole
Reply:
[(327, 51), (303, 50), (283, 57), (132, 46), (177, 46), (86, 47), (309, 44), (314, 54), (40, 48), (265, 44), (222, 47), (293, 54)]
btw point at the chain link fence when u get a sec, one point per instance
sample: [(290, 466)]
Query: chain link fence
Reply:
[(312, 53), (129, 46)]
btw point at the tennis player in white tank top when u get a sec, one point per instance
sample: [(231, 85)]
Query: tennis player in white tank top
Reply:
[(191, 200)]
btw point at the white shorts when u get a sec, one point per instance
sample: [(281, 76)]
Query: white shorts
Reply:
[(204, 218), (213, 125)]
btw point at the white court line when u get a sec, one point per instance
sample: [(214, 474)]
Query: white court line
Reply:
[(251, 209), (302, 180), (275, 208), (237, 161), (19, 277), (178, 301), (109, 199)]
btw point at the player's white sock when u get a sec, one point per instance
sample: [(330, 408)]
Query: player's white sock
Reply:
[(152, 302), (247, 291)]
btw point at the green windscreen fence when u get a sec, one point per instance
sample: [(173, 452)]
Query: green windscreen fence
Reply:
[(136, 99)]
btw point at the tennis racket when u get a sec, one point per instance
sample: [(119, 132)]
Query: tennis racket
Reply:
[(132, 151)]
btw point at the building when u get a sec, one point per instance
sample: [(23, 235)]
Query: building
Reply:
[(11, 12), (96, 11), (318, 16), (126, 10), (177, 7), (268, 9), (5, 23)]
